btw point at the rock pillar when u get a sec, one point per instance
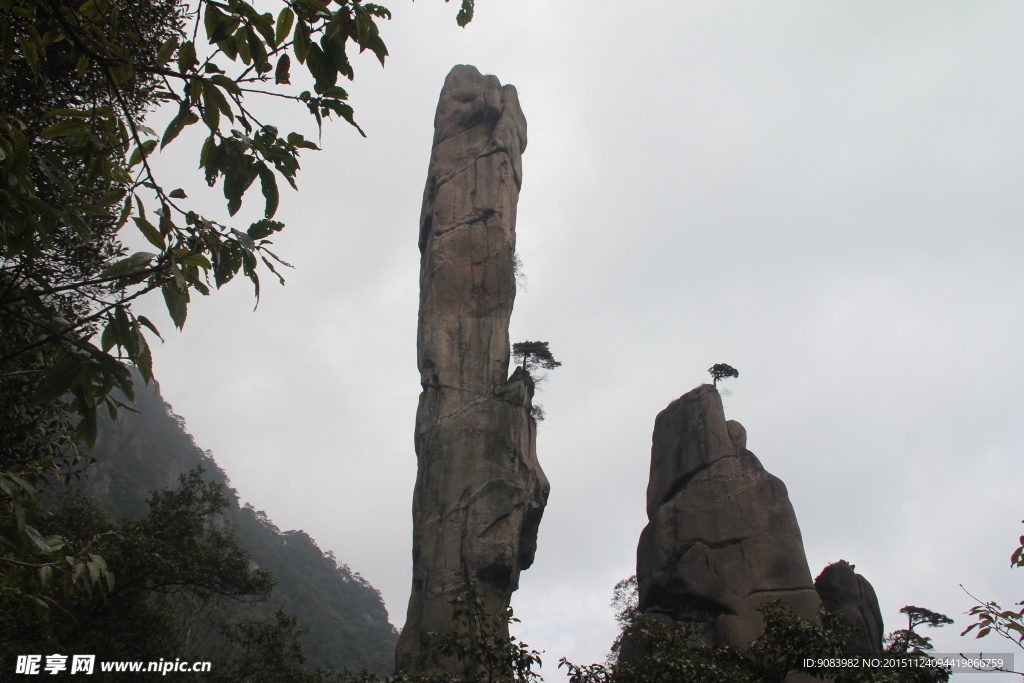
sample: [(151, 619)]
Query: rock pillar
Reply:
[(722, 536), (480, 491), (843, 590)]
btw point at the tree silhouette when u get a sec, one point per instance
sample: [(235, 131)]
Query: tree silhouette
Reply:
[(722, 371), (908, 640), (534, 352)]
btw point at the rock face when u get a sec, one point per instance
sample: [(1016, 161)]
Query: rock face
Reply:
[(480, 491), (843, 590), (722, 536)]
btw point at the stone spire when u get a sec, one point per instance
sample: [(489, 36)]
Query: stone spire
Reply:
[(480, 492), (722, 537)]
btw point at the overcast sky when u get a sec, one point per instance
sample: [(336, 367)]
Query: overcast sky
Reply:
[(825, 195)]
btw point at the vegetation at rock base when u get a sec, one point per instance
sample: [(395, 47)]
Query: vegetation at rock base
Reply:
[(179, 571), (663, 650), (342, 618)]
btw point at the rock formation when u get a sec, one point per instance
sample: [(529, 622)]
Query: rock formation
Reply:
[(480, 491), (722, 536), (843, 590)]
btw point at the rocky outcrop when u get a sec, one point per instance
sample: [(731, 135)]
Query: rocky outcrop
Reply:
[(480, 491), (843, 590), (722, 537)]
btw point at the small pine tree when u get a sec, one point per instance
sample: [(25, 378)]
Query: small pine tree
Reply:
[(909, 641), (535, 353), (722, 371)]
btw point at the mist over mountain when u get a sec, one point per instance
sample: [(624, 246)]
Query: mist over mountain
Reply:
[(344, 617)]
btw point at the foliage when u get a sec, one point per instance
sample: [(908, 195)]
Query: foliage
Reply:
[(677, 652), (722, 371), (269, 653), (180, 572), (625, 602), (538, 354), (178, 555), (661, 649), (32, 561), (534, 353), (909, 641), (480, 644), (76, 81), (993, 618), (343, 618)]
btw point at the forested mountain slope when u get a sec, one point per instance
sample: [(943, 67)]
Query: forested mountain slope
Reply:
[(345, 618)]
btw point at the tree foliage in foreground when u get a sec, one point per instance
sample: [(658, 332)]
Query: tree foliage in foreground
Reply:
[(343, 616), (179, 576), (77, 78), (991, 618)]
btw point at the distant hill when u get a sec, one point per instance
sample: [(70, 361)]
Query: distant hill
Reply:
[(345, 616)]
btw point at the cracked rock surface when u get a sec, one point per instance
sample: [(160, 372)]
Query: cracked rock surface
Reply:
[(480, 492), (722, 536)]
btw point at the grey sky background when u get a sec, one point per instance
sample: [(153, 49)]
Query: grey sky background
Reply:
[(826, 195)]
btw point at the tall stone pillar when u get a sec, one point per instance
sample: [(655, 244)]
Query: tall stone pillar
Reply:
[(480, 491)]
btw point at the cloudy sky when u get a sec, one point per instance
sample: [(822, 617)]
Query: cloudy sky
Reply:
[(826, 195)]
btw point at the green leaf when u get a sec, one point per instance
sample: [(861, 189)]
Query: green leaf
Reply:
[(137, 261), (301, 41), (281, 72), (111, 198), (218, 25), (284, 25), (123, 218), (215, 96), (184, 118), (256, 48), (62, 128), (211, 112), (145, 321), (150, 232), (167, 49), (108, 338), (38, 539), (228, 84), (268, 183), (465, 14), (337, 92), (196, 260), (186, 56), (264, 228), (177, 303), (320, 66), (139, 152)]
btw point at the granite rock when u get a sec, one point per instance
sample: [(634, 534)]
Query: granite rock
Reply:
[(722, 536), (843, 590), (480, 491)]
